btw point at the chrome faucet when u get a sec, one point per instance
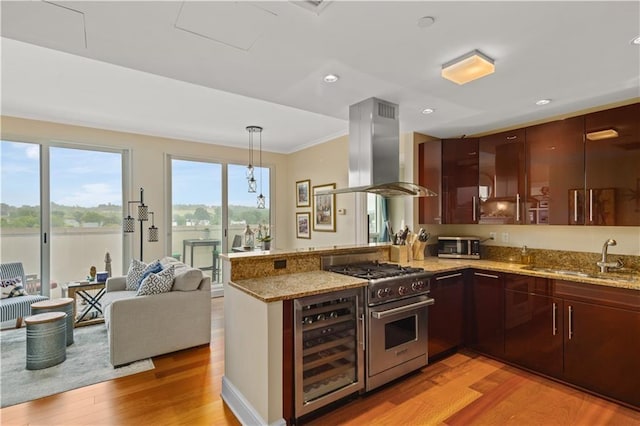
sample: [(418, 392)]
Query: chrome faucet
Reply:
[(603, 264)]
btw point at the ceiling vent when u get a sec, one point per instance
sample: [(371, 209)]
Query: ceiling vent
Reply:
[(315, 6)]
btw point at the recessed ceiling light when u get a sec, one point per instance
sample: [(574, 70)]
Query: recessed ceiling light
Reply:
[(428, 110), (543, 102), (636, 40), (331, 78), (426, 21)]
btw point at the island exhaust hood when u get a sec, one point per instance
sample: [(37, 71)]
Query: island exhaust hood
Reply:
[(374, 152)]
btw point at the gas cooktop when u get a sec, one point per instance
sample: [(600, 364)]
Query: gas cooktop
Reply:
[(374, 270)]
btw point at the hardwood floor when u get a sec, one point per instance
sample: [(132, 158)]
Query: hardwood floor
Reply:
[(463, 389)]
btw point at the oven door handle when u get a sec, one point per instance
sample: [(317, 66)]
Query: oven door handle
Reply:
[(402, 309)]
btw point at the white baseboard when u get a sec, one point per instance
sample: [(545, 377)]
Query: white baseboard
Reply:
[(217, 290), (241, 408)]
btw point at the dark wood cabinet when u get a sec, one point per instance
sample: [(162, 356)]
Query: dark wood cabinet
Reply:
[(555, 173), (612, 156), (533, 324), (602, 339), (446, 315), (460, 181), (429, 176), (501, 179), (486, 313)]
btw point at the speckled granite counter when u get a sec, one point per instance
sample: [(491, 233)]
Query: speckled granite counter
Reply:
[(292, 286), (436, 265)]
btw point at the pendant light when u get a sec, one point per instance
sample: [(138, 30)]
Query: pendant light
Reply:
[(261, 199), (251, 180)]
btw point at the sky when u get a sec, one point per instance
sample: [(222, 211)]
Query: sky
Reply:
[(89, 178)]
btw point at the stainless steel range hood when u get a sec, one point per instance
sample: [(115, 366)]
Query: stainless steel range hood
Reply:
[(374, 152)]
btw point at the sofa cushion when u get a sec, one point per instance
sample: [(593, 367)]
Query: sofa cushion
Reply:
[(187, 279), (157, 283), (12, 287), (138, 271)]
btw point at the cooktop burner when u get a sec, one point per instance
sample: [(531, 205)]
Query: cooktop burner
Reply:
[(374, 270)]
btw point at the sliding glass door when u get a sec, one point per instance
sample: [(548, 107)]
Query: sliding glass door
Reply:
[(210, 209), (86, 212), (20, 214), (242, 207), (61, 212), (196, 214)]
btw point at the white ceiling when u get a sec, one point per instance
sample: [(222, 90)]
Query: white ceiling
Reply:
[(205, 70)]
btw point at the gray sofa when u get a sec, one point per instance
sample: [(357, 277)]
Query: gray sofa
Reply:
[(140, 327)]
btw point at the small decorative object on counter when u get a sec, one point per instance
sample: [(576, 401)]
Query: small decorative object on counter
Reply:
[(248, 238), (107, 264), (92, 274), (525, 256)]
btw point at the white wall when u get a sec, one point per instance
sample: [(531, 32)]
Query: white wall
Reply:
[(322, 164)]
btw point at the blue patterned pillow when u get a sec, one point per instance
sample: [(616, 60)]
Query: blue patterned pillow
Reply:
[(12, 287), (138, 271), (157, 283)]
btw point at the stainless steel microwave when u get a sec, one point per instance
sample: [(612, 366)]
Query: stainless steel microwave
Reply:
[(459, 247)]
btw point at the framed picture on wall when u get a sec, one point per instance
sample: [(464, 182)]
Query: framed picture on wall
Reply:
[(324, 209), (303, 225), (302, 193)]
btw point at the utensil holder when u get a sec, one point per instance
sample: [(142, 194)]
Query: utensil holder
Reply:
[(418, 250), (398, 254)]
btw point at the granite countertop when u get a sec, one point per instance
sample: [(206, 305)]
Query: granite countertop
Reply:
[(293, 286), (436, 265), (279, 253)]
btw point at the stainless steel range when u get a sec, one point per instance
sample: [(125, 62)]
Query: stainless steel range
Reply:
[(396, 303)]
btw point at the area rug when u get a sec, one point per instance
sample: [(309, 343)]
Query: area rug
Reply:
[(87, 363)]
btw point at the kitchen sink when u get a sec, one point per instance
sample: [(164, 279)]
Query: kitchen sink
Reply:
[(579, 274)]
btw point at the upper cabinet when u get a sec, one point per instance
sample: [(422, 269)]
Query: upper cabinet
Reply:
[(555, 172), (501, 184), (430, 166), (612, 165), (459, 199), (583, 170)]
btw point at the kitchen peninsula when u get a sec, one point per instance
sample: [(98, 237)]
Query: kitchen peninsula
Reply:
[(261, 288)]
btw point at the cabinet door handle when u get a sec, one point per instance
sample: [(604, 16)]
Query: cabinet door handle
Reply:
[(480, 274), (444, 277), (555, 324), (510, 138), (591, 205), (362, 332), (575, 206), (473, 207), (570, 322), (518, 207)]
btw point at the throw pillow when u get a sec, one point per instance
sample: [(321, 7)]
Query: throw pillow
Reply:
[(187, 279), (138, 271), (157, 283), (12, 287)]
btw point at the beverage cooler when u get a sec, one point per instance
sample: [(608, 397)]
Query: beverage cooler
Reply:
[(329, 349)]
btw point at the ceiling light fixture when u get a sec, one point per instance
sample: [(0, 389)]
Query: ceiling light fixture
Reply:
[(602, 134), (428, 111), (636, 40), (543, 102), (331, 78), (468, 67)]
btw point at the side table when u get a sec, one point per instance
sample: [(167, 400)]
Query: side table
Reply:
[(81, 290)]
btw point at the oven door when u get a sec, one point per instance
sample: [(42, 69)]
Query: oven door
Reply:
[(397, 333)]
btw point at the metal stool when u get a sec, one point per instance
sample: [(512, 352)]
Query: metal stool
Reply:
[(46, 340), (57, 305)]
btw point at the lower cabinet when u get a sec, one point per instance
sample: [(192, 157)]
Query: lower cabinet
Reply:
[(586, 335), (446, 315), (602, 350), (533, 324), (486, 313)]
